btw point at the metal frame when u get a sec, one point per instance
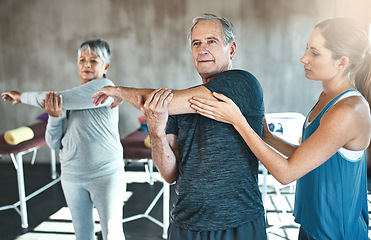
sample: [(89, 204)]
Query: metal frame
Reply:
[(21, 205), (291, 124), (148, 166), (165, 192), (281, 206)]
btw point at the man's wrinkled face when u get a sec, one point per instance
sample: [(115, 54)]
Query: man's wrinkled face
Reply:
[(211, 55)]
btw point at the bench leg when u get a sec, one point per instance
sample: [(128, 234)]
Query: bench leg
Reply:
[(166, 211), (21, 191)]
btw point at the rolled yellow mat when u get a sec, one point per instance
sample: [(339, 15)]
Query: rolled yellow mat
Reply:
[(18, 135), (147, 142)]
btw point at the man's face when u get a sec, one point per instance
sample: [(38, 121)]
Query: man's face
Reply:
[(211, 55)]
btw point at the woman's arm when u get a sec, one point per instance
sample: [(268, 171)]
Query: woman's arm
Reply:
[(330, 136), (54, 129), (9, 96), (77, 98), (54, 132), (53, 106), (282, 146)]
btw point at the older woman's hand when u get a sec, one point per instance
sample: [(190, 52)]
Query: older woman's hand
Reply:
[(12, 96), (53, 104)]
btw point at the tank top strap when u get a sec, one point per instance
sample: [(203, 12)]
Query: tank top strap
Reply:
[(333, 101)]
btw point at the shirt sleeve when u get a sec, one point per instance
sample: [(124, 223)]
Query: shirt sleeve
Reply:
[(77, 98), (171, 127), (54, 132), (243, 88)]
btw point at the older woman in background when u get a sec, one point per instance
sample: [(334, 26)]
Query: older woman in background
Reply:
[(91, 155)]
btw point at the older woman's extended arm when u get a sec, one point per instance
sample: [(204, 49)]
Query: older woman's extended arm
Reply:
[(76, 98)]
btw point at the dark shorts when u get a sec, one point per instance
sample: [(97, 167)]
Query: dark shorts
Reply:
[(254, 230), (303, 235)]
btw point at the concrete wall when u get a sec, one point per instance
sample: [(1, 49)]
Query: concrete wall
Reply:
[(148, 38)]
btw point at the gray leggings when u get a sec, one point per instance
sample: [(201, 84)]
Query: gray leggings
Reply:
[(107, 195)]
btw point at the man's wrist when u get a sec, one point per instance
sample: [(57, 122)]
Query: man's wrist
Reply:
[(157, 136)]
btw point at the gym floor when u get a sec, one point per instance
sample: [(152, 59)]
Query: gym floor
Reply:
[(49, 219)]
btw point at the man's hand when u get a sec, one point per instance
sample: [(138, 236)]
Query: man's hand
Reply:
[(12, 96), (53, 104), (155, 110), (104, 93)]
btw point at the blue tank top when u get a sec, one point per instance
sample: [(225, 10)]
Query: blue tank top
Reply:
[(331, 200)]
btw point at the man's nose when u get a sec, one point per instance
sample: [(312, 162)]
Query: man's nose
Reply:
[(204, 48), (204, 51)]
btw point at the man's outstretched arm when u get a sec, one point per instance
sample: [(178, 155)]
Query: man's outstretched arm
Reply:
[(178, 105)]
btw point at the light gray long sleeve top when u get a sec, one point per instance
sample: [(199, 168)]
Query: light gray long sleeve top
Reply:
[(86, 135)]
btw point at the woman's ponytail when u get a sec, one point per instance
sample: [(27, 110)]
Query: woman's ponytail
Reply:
[(362, 79)]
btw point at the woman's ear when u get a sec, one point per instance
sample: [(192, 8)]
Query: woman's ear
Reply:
[(343, 63), (106, 67)]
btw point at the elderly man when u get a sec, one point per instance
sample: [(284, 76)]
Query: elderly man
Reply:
[(216, 174)]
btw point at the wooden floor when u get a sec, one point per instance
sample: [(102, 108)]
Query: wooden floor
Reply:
[(48, 212)]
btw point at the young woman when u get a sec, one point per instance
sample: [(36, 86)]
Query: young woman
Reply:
[(91, 156), (330, 164)]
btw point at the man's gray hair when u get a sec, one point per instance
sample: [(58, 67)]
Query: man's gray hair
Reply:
[(228, 29)]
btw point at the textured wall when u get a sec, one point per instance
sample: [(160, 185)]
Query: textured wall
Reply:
[(148, 38)]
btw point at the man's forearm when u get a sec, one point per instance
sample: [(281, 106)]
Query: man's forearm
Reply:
[(178, 105), (164, 159), (130, 95)]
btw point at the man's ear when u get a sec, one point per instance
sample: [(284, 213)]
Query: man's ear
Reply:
[(232, 47)]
